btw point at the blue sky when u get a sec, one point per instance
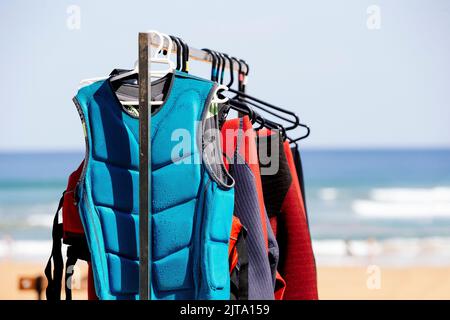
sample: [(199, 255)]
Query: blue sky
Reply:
[(354, 86)]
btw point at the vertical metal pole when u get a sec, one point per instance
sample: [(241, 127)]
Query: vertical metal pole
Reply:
[(144, 164)]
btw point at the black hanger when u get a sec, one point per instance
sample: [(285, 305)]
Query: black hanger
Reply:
[(242, 105), (260, 120), (184, 47), (308, 131), (231, 65), (247, 67), (239, 105), (258, 103), (254, 117), (179, 50), (219, 67), (185, 67), (244, 74), (216, 68), (240, 73), (243, 109), (295, 123), (213, 62), (248, 99), (222, 72), (276, 126)]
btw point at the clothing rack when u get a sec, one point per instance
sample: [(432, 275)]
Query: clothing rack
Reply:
[(145, 42)]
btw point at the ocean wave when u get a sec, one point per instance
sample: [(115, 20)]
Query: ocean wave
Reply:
[(24, 249), (23, 216), (401, 210), (405, 203), (40, 220), (394, 251), (328, 194), (437, 194), (338, 247)]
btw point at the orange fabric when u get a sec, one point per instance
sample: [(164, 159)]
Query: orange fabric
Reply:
[(248, 151), (280, 287), (298, 265), (233, 256)]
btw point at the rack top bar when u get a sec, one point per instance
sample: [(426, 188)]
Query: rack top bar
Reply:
[(194, 53)]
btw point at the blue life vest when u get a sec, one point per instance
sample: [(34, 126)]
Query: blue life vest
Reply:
[(192, 198)]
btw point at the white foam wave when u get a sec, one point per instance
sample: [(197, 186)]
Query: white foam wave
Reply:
[(40, 220), (393, 210), (437, 194), (25, 249), (394, 251), (35, 215), (337, 247), (328, 194), (40, 208), (405, 203)]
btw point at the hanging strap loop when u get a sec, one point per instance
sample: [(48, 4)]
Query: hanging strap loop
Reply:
[(77, 250), (53, 291)]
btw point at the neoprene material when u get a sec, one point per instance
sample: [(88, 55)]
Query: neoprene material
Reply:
[(72, 233), (299, 169), (192, 206), (72, 227), (239, 141), (284, 203), (238, 259)]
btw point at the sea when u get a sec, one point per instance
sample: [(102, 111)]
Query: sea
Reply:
[(386, 207)]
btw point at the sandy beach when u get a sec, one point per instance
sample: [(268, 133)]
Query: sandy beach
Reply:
[(334, 282), (408, 283), (12, 271)]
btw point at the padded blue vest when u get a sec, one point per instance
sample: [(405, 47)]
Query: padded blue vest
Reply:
[(191, 210)]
